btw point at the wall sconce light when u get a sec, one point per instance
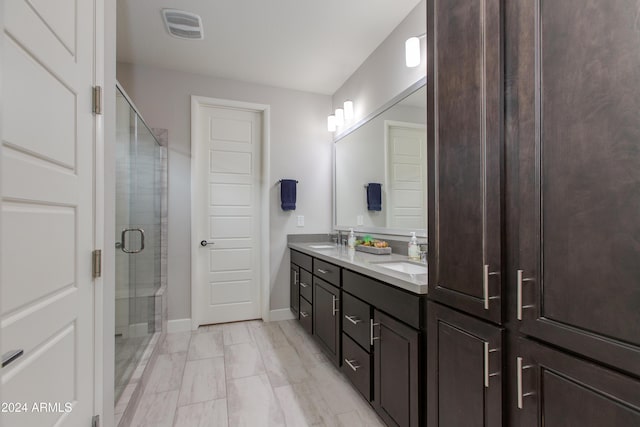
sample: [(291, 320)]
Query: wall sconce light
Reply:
[(331, 123), (412, 50), (348, 110)]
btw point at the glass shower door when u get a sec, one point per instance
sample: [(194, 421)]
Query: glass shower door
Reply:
[(137, 239)]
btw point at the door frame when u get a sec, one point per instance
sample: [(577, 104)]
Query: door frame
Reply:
[(196, 151)]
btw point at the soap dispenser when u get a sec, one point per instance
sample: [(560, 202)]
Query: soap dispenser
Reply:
[(352, 239), (414, 249)]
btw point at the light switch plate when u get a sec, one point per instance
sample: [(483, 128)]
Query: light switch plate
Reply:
[(300, 220), (360, 220)]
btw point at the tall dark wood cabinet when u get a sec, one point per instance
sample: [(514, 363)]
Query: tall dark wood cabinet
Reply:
[(465, 153), (465, 370), (574, 139), (326, 318), (294, 290)]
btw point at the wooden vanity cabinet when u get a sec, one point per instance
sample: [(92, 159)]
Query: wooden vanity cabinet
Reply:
[(300, 287), (294, 290), (326, 318)]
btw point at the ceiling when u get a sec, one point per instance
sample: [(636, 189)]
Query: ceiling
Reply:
[(307, 45)]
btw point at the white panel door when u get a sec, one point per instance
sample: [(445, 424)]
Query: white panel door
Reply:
[(47, 294), (226, 181), (406, 176)]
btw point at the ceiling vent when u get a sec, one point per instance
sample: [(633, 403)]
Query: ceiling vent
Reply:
[(183, 25)]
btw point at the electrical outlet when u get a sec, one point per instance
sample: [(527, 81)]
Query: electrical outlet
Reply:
[(360, 220), (300, 220)]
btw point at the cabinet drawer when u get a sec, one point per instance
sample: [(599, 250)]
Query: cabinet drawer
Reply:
[(356, 321), (306, 282), (306, 315), (302, 260), (327, 272), (356, 365)]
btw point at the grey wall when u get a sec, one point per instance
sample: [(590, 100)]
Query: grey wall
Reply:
[(300, 149), (384, 74)]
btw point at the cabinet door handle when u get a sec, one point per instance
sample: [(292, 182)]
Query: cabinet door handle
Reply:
[(485, 285), (521, 368), (520, 281), (372, 338), (351, 364), (11, 356), (353, 319), (487, 352), (322, 271), (304, 285), (304, 314), (333, 303)]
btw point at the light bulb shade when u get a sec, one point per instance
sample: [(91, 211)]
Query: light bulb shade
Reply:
[(331, 123), (339, 117), (412, 52), (348, 110)]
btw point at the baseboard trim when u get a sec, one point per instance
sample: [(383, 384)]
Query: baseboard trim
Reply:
[(178, 325), (280, 314)]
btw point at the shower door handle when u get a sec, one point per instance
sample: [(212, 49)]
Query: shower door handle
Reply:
[(123, 245)]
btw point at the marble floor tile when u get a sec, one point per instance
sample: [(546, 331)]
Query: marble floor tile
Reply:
[(204, 414), (302, 406), (175, 343), (284, 366), (251, 402), (268, 335), (156, 410), (236, 333), (167, 373), (242, 360), (203, 380), (206, 345)]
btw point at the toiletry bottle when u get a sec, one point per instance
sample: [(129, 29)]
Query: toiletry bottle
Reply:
[(414, 249), (352, 239)]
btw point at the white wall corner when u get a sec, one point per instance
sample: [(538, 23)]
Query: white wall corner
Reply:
[(280, 314), (178, 325)]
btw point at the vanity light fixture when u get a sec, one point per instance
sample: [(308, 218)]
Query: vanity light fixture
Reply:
[(339, 117), (331, 123), (412, 50), (348, 110)]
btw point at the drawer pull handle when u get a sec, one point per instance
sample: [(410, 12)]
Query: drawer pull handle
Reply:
[(519, 281), (304, 314), (322, 271), (371, 331), (304, 285), (351, 364), (11, 356), (487, 375), (485, 285), (334, 304), (353, 319), (521, 395)]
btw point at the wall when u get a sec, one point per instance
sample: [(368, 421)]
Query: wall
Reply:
[(300, 149), (384, 74)]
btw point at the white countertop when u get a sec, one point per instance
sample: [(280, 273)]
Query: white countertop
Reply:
[(365, 263)]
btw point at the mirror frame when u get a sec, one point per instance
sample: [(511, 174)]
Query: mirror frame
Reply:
[(374, 230)]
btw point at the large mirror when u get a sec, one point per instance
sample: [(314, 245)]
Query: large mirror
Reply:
[(388, 148)]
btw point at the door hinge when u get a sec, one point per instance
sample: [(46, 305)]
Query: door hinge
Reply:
[(97, 263), (95, 421), (97, 100)]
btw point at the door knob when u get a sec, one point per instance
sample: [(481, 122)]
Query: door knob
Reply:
[(206, 242)]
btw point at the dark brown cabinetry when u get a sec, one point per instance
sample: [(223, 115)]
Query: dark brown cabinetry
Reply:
[(294, 290), (465, 152), (326, 318), (464, 370), (396, 371), (574, 134), (554, 389)]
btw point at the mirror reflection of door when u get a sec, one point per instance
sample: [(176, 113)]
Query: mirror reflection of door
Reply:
[(406, 149)]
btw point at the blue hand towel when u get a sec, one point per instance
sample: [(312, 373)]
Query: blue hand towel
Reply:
[(374, 196), (288, 194)]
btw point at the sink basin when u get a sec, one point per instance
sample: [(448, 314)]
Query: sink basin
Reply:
[(322, 246), (404, 267)]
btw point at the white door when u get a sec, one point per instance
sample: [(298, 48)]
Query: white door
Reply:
[(47, 233), (226, 193), (406, 176)]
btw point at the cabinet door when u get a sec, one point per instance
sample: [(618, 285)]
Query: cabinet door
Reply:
[(573, 140), (294, 290), (464, 370), (396, 357), (554, 389), (464, 96), (326, 318)]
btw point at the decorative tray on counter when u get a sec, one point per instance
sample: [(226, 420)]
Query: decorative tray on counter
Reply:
[(372, 246)]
